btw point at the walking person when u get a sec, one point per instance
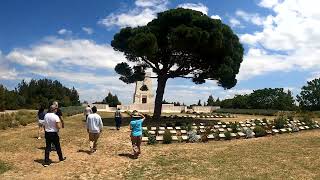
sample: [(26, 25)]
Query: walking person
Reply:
[(136, 132), (118, 118), (41, 115), (87, 111), (52, 124), (94, 128), (59, 113)]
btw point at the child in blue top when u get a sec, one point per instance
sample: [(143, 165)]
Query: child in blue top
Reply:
[(136, 132)]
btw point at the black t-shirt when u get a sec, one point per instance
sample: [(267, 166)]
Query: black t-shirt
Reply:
[(59, 112)]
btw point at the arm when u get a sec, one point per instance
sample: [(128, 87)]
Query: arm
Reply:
[(62, 122), (87, 125), (143, 117), (101, 125), (59, 125)]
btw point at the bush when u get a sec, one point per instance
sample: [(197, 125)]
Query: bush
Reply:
[(72, 110), (228, 135), (307, 119), (17, 118), (167, 137), (152, 140), (234, 127), (280, 122), (259, 131), (4, 167)]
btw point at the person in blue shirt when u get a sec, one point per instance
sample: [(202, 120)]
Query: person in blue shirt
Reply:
[(136, 132)]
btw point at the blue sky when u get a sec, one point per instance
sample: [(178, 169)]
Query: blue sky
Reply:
[(70, 41)]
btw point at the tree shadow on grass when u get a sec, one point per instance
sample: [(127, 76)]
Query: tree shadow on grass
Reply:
[(128, 155)]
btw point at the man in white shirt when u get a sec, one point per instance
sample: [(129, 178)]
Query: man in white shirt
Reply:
[(87, 111), (94, 128), (52, 124)]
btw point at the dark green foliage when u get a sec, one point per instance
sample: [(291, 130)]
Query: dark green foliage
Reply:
[(309, 96), (152, 140), (38, 92), (228, 135), (111, 100), (145, 133), (259, 131), (4, 167), (279, 122), (167, 137), (266, 98), (265, 112), (189, 40), (199, 103), (234, 127)]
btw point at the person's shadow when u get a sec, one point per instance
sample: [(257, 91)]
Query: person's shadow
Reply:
[(84, 151), (128, 155)]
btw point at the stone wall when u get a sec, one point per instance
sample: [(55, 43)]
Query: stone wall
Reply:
[(166, 108), (204, 109)]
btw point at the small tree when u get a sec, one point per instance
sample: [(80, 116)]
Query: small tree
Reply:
[(180, 43), (210, 101), (199, 103), (309, 98)]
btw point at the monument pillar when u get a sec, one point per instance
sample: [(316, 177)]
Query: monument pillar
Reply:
[(143, 93)]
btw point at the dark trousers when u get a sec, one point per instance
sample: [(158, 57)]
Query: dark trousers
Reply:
[(118, 122), (52, 138)]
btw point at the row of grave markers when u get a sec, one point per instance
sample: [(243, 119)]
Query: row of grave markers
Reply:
[(179, 133)]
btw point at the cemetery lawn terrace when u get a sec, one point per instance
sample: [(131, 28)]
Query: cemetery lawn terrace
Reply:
[(284, 156)]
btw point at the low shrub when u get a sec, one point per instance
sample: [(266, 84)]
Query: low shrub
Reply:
[(152, 140), (167, 137), (307, 119), (72, 110), (4, 167), (228, 135), (279, 122), (234, 127), (14, 119), (259, 131), (145, 133)]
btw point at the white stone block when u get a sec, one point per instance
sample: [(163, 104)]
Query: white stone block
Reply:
[(306, 127), (162, 128), (283, 130), (275, 130), (241, 134), (144, 128), (174, 138), (173, 131), (216, 126), (201, 124), (153, 128), (159, 138), (301, 128), (229, 129), (202, 130), (222, 136), (183, 131), (233, 134), (289, 129), (224, 126), (152, 132), (201, 127), (184, 138), (178, 128), (210, 136), (161, 132), (144, 139), (219, 123), (170, 128), (221, 130)]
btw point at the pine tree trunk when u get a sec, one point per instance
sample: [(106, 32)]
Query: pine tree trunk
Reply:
[(159, 96)]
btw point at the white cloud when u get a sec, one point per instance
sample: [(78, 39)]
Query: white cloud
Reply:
[(144, 12), (289, 39), (216, 17), (87, 30), (234, 22), (81, 52), (249, 17), (64, 32), (6, 73), (197, 7)]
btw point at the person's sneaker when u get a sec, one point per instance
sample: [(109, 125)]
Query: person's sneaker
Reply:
[(64, 158), (39, 138), (45, 165)]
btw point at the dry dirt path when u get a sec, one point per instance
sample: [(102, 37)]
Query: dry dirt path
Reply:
[(20, 148)]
